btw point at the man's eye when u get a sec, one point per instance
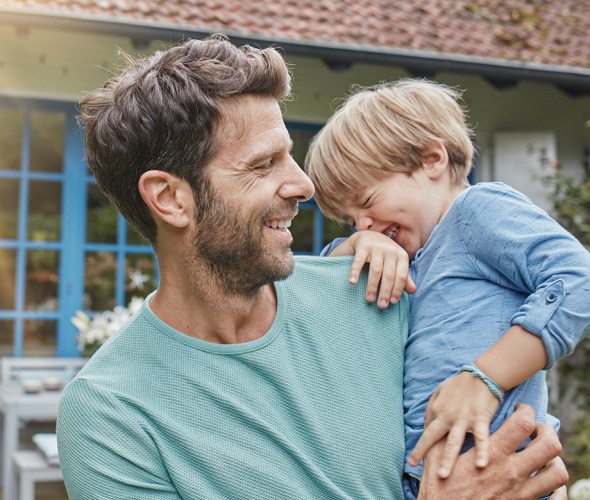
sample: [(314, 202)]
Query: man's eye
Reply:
[(366, 203), (264, 166)]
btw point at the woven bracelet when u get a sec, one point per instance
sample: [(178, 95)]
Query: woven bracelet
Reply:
[(496, 389)]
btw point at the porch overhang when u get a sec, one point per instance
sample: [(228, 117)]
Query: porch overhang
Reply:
[(574, 81)]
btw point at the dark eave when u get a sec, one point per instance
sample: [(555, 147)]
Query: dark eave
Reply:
[(574, 81)]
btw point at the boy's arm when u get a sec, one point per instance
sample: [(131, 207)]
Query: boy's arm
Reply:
[(517, 356), (521, 248), (388, 265), (465, 403)]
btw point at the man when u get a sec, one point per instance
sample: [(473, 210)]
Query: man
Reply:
[(240, 378)]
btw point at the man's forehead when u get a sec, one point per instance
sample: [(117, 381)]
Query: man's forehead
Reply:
[(251, 128)]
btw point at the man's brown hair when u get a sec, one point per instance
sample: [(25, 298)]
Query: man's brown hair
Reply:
[(162, 113)]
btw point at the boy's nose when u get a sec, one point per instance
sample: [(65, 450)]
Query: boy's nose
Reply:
[(364, 223)]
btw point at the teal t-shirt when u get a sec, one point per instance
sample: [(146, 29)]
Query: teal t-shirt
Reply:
[(313, 409)]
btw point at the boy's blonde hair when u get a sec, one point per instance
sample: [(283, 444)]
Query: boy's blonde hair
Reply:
[(383, 129)]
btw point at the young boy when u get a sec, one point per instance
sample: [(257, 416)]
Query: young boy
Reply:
[(499, 290)]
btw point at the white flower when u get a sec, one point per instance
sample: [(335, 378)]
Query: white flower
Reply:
[(95, 331), (580, 490)]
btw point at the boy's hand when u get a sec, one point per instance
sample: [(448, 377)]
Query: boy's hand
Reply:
[(388, 265), (459, 405)]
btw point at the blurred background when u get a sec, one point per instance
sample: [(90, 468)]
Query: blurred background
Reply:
[(524, 67)]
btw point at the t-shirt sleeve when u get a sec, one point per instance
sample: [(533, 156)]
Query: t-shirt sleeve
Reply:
[(519, 246), (105, 453)]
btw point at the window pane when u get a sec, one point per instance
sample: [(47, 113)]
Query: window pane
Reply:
[(101, 222), (302, 231), (41, 280), (333, 230), (11, 138), (40, 338), (8, 273), (301, 138), (47, 141), (140, 274), (6, 337), (99, 282), (44, 211), (9, 194), (134, 237)]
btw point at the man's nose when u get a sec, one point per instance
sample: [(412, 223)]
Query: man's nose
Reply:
[(297, 186)]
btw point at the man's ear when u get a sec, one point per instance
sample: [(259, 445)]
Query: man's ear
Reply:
[(435, 160), (168, 198)]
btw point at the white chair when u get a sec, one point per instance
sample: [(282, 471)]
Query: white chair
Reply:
[(19, 369), (30, 466)]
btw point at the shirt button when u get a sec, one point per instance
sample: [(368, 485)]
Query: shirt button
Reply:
[(551, 297)]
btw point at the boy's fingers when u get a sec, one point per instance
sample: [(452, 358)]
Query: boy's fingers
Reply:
[(431, 435), (451, 451), (401, 278), (482, 447), (389, 280), (358, 262), (375, 272), (410, 285)]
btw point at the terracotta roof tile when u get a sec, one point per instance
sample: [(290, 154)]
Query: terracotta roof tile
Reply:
[(543, 31)]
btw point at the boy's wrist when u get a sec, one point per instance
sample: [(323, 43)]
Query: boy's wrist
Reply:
[(496, 389)]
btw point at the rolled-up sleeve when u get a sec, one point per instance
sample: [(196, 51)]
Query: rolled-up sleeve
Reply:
[(519, 246)]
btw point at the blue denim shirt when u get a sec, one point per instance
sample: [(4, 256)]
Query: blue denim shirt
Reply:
[(494, 260)]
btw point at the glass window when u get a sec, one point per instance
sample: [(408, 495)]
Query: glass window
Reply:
[(11, 138), (40, 338), (99, 282), (41, 281), (333, 230), (301, 138), (8, 273), (302, 231), (141, 276), (44, 211), (134, 237), (47, 141), (6, 337), (9, 195), (101, 222)]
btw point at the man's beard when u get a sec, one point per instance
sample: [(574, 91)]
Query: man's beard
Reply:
[(233, 247)]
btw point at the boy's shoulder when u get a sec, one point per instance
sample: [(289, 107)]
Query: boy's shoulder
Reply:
[(490, 194)]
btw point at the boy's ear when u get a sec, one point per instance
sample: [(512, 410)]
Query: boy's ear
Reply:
[(168, 198), (435, 160)]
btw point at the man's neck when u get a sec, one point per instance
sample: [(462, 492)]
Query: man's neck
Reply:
[(202, 310)]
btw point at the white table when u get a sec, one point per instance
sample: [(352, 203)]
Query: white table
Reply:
[(16, 405)]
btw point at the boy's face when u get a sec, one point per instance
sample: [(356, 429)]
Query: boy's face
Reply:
[(406, 208)]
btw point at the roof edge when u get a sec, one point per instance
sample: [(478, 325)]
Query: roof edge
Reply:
[(502, 73)]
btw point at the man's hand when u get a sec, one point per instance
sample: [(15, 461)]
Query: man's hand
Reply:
[(388, 265), (459, 405), (529, 474)]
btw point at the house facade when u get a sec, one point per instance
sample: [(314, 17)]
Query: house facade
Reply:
[(64, 248)]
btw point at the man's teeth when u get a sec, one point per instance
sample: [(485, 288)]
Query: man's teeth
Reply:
[(278, 224)]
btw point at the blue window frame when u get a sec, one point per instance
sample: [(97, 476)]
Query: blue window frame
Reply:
[(63, 247)]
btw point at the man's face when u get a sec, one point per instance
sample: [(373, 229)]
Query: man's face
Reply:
[(248, 198)]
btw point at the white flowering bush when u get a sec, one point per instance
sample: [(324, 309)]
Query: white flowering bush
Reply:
[(580, 490), (94, 332)]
